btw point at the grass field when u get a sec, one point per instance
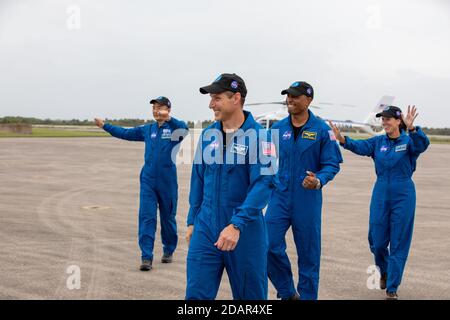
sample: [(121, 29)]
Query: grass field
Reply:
[(49, 132), (79, 132)]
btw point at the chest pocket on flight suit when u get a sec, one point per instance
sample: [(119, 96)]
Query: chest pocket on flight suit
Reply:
[(284, 162), (237, 179)]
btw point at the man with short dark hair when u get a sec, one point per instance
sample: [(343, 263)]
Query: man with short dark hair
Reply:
[(229, 189), (309, 157), (159, 187)]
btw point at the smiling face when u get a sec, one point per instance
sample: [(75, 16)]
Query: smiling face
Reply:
[(297, 104), (390, 125), (157, 107), (225, 104)]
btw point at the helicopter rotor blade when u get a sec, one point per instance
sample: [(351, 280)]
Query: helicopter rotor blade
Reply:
[(265, 103)]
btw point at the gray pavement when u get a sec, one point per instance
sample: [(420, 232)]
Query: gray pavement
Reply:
[(74, 201)]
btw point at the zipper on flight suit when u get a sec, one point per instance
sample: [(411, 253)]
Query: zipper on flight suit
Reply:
[(391, 150), (291, 167), (296, 144), (219, 172), (158, 138)]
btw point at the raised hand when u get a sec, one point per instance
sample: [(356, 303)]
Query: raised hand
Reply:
[(410, 117), (337, 132), (99, 123)]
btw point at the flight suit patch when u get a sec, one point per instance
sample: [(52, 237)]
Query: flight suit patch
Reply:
[(166, 134), (239, 149), (287, 135), (400, 148), (309, 135)]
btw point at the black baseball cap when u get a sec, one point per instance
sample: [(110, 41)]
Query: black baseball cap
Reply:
[(390, 112), (298, 88), (161, 100), (226, 82)]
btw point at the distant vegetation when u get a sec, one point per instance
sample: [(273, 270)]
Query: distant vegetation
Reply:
[(138, 122), (77, 122), (437, 131), (73, 122)]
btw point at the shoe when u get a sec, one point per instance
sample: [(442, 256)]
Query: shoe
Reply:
[(383, 280), (166, 258), (296, 296), (391, 295), (146, 265)]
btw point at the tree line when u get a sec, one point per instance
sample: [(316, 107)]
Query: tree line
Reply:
[(77, 122), (138, 122)]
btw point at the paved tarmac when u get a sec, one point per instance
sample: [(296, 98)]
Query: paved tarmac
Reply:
[(66, 202)]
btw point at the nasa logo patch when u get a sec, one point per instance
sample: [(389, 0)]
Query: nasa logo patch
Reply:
[(287, 135)]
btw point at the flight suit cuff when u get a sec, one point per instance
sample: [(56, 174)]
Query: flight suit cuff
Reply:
[(345, 145), (107, 127), (238, 223), (321, 180), (417, 130), (192, 215)]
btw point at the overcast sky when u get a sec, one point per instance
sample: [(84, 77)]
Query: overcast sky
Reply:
[(106, 58)]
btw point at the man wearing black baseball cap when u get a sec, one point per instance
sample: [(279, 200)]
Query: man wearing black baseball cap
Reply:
[(226, 82), (308, 159), (300, 88), (226, 227), (162, 101), (159, 187)]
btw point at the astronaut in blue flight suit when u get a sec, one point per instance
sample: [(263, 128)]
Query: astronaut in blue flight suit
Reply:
[(158, 178), (230, 185), (309, 158), (393, 201)]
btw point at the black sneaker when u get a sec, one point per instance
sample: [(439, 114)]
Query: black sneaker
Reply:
[(391, 295), (295, 296), (146, 265), (383, 280), (166, 258)]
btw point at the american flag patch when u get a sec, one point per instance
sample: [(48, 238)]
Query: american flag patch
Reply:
[(268, 148), (332, 136)]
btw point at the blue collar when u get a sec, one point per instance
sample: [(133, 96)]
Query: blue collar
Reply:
[(402, 136), (312, 121), (248, 123)]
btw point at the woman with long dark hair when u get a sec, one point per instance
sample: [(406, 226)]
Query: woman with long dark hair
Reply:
[(393, 201)]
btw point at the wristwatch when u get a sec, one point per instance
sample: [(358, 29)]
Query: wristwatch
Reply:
[(318, 185)]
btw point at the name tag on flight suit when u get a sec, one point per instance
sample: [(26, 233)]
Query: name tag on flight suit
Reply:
[(400, 148), (239, 149), (309, 135), (166, 134)]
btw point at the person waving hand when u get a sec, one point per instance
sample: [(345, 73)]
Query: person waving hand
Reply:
[(393, 202)]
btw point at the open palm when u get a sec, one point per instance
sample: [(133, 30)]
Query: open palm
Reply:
[(410, 117)]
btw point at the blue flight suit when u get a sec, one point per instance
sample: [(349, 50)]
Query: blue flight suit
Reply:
[(227, 193), (393, 201), (158, 180), (291, 205)]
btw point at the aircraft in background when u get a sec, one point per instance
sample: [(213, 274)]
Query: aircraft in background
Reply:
[(371, 124)]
